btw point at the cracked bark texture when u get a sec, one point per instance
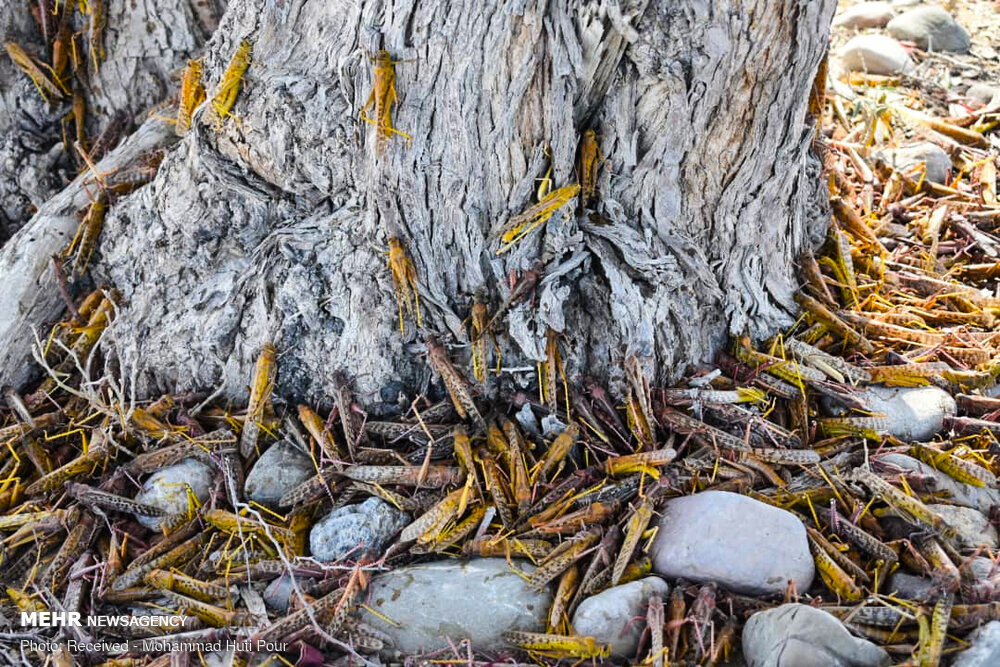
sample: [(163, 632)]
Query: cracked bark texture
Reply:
[(145, 43), (276, 226)]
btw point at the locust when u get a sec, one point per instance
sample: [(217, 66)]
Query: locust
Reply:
[(27, 64), (192, 94), (942, 569), (934, 635), (478, 332), (353, 435), (562, 558), (521, 225), (551, 372), (427, 526), (560, 646), (457, 386), (77, 541), (229, 87), (233, 523), (634, 530), (833, 575), (460, 530), (264, 376), (300, 618), (180, 553), (185, 585), (901, 502), (655, 620), (211, 614), (639, 404), (558, 621), (785, 456), (497, 489), (858, 536), (514, 547), (676, 609), (81, 465), (590, 514), (699, 627), (556, 453), (821, 313), (404, 278), (98, 22), (60, 50), (382, 98), (520, 480), (588, 161), (321, 434), (429, 476), (953, 466), (96, 498), (701, 431), (169, 455), (645, 462)]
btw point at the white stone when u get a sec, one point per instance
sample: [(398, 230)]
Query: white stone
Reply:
[(797, 635), (610, 616), (937, 162), (356, 530), (910, 413), (931, 28), (279, 470), (738, 542), (981, 498), (875, 54), (985, 649), (982, 93), (168, 489), (972, 526), (478, 600), (865, 15)]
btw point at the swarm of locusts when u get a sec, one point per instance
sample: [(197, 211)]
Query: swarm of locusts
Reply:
[(580, 503)]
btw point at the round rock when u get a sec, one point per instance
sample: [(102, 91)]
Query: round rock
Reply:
[(973, 528), (797, 635), (356, 530), (984, 569), (279, 470), (985, 649), (168, 489), (741, 543), (933, 156), (279, 593), (865, 15), (987, 579), (609, 616), (910, 413), (983, 93), (478, 600), (911, 587), (981, 498), (875, 54), (931, 28)]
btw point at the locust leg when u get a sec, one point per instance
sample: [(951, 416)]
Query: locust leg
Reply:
[(369, 103)]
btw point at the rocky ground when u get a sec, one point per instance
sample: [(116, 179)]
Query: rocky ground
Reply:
[(827, 497)]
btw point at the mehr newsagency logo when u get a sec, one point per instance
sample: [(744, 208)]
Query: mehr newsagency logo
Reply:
[(60, 619)]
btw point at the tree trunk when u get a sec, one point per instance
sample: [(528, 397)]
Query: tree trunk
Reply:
[(276, 226)]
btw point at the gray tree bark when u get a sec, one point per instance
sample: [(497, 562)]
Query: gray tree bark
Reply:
[(276, 226)]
